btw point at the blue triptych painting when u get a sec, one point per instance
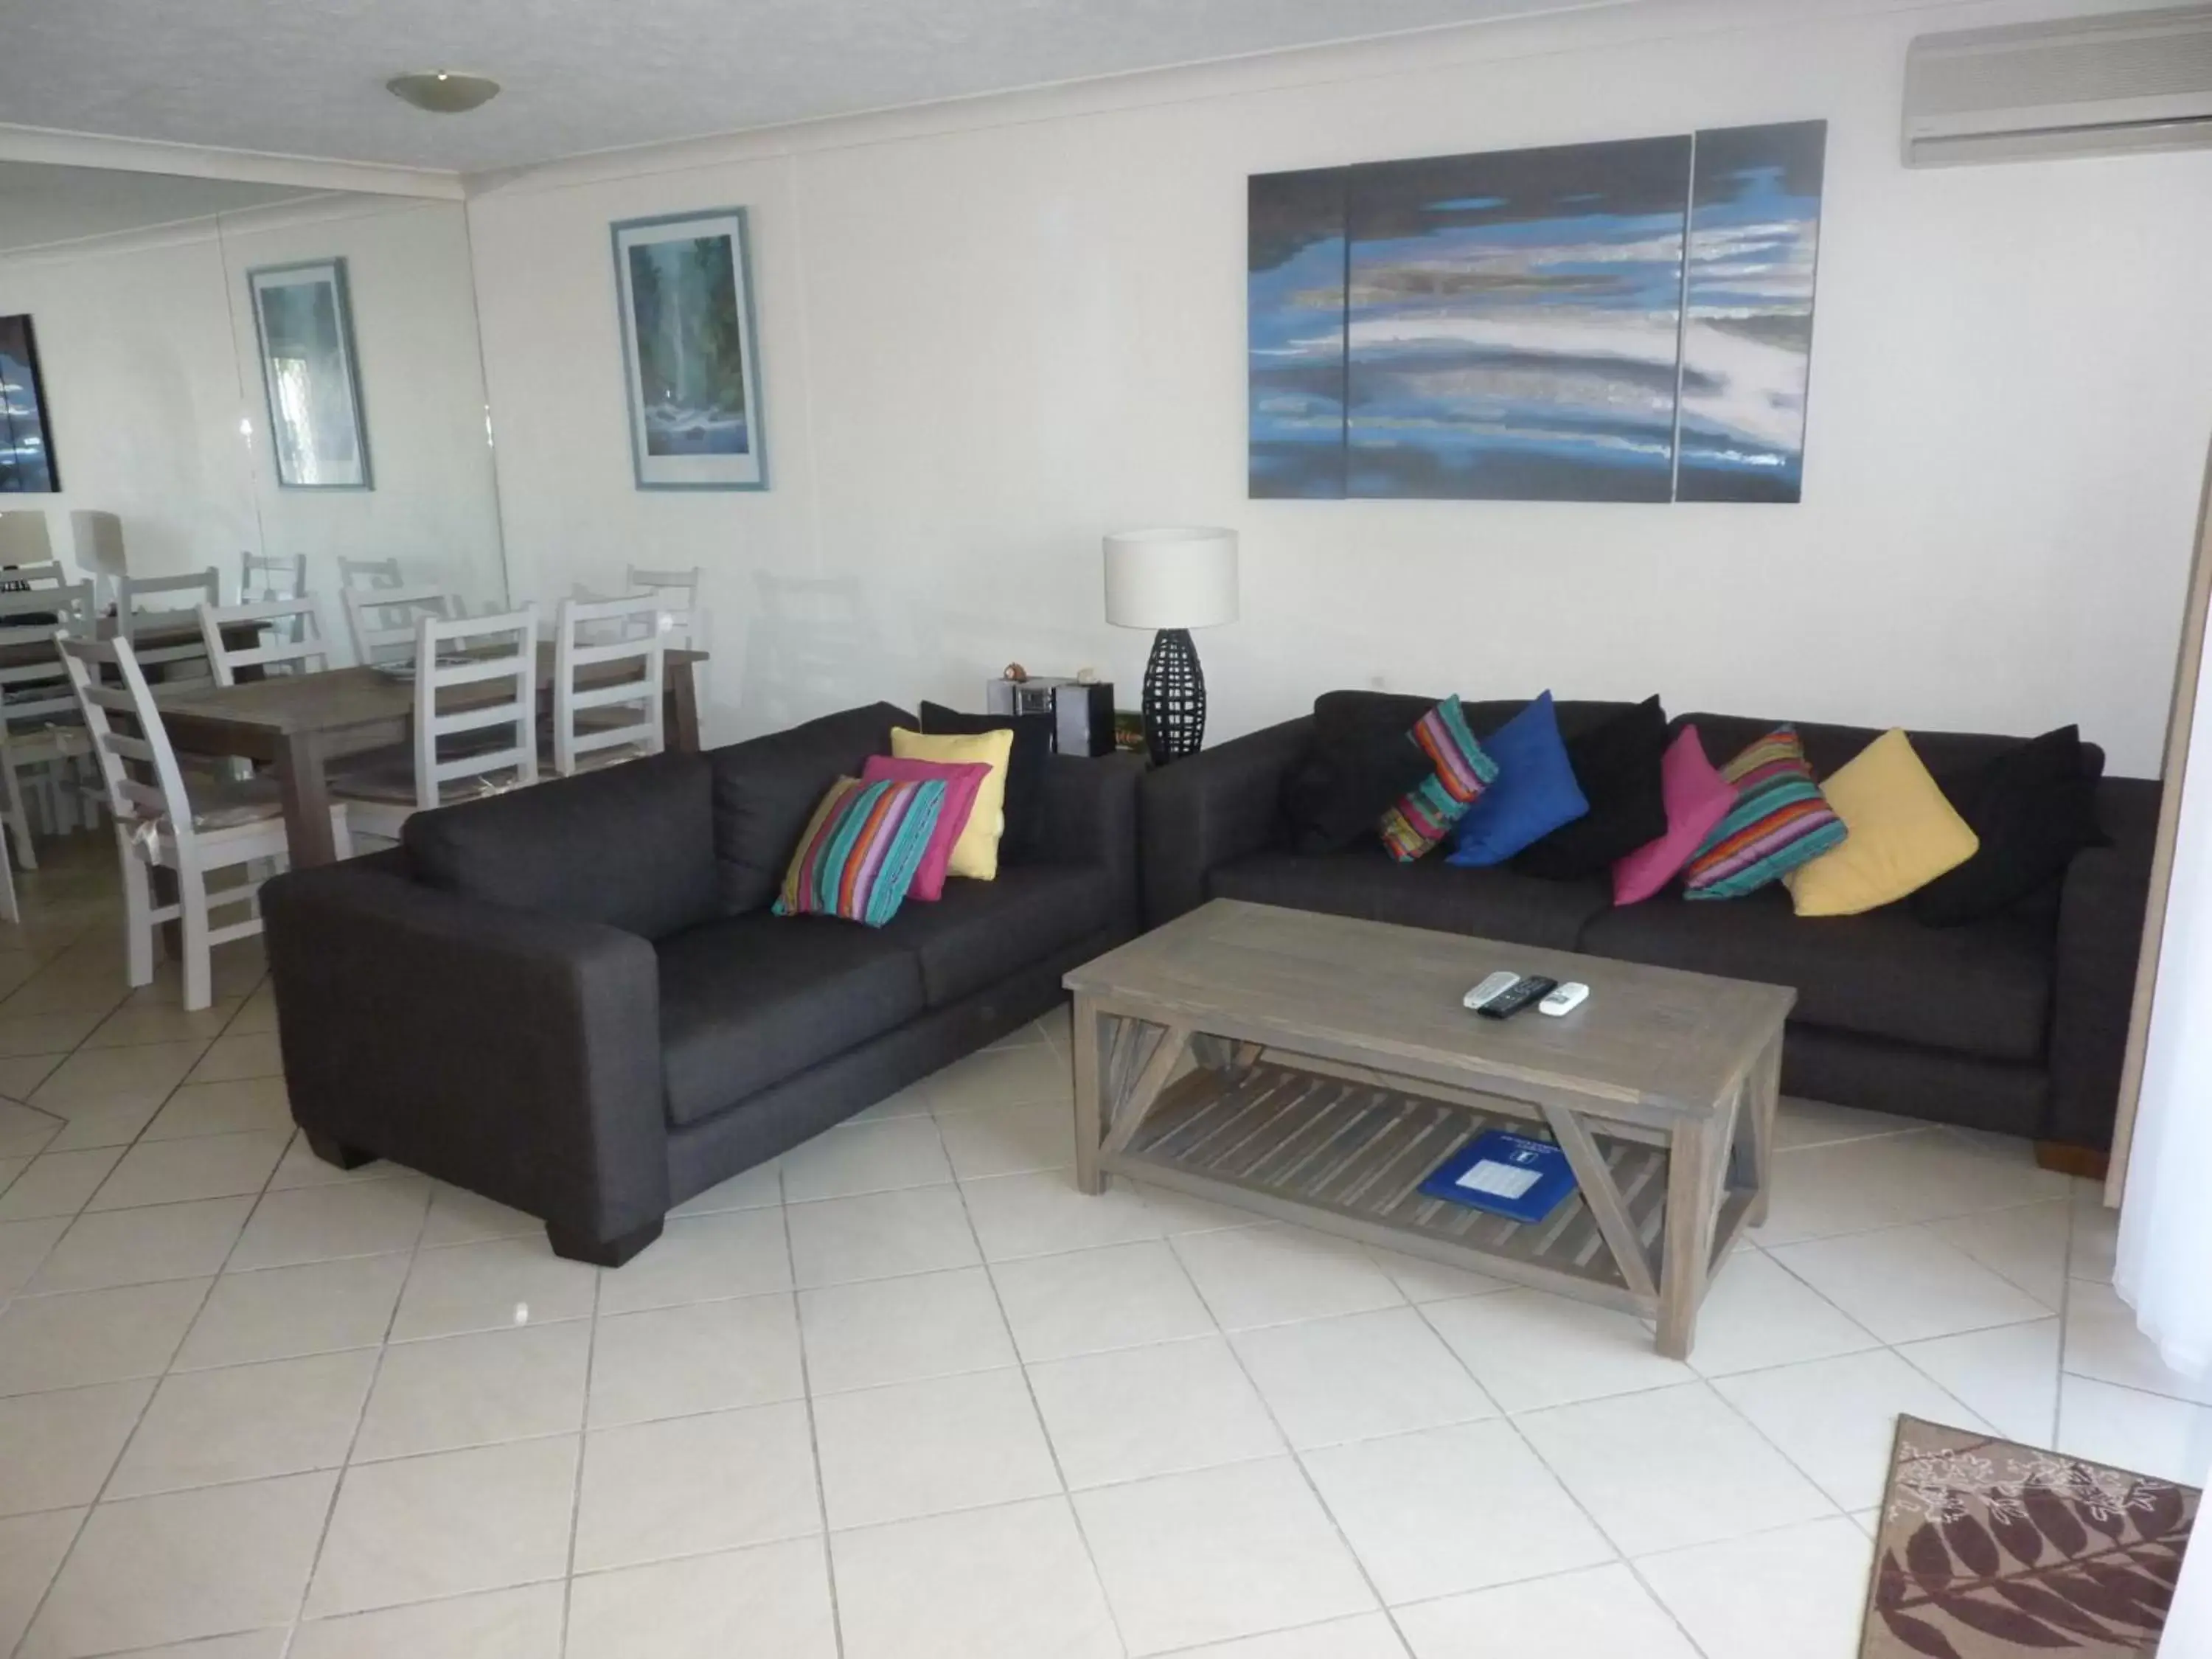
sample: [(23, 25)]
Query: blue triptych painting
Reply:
[(1620, 322)]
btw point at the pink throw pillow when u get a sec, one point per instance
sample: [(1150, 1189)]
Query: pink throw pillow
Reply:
[(1698, 797), (962, 778)]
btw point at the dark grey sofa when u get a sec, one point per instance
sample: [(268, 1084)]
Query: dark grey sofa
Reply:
[(573, 999), (2016, 1023)]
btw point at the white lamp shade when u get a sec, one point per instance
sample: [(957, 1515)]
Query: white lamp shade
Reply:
[(1178, 578)]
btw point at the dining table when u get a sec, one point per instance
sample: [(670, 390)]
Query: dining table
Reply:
[(296, 725)]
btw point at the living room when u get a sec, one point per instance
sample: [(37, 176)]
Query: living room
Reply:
[(894, 1376)]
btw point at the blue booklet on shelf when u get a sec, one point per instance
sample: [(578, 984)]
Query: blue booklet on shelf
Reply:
[(1508, 1175)]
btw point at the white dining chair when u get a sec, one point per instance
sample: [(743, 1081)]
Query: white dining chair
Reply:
[(475, 722), (17, 577), (42, 734), (608, 661), (679, 593), (382, 620), (369, 573), (288, 638), (264, 576), (146, 603), (160, 824), (97, 538)]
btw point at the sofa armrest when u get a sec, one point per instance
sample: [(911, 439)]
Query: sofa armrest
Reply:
[(512, 1053), (1209, 808), (1090, 817), (2100, 922)]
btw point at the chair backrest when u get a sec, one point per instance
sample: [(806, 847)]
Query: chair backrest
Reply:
[(24, 538), (17, 577), (382, 620), (175, 601), (369, 573), (37, 691), (136, 762), (288, 638), (265, 576), (475, 674), (679, 593), (99, 540), (607, 662)]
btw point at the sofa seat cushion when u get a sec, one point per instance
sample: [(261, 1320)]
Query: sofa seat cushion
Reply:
[(1981, 989), (1496, 902), (747, 1001), (981, 931)]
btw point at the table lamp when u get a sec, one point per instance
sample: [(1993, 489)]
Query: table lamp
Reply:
[(1172, 581)]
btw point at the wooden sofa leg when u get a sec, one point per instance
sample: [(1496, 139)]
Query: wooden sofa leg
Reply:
[(578, 1246), (336, 1152), (2085, 1161)]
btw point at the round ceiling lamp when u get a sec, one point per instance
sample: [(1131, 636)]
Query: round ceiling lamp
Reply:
[(443, 92)]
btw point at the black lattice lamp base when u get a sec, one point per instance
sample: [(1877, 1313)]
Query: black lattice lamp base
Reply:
[(1174, 697)]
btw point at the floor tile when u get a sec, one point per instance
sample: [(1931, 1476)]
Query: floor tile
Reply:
[(749, 1189), (703, 1356), (1835, 1419), (31, 1550), (1010, 1139), (1908, 1282), (1363, 1636), (1419, 1280), (114, 1125), (59, 1183), (1893, 1181), (465, 1218), (2096, 1234), (693, 1485), (1011, 1583), (214, 1109), (1667, 1470), (9, 1169), (252, 1054), (1810, 1580), (313, 1224), (1601, 1612), (2008, 1377), (257, 1013), (1218, 1554), (504, 1623), (2104, 1342), (187, 1563), (420, 1528), (1180, 1212), (1450, 1510), (52, 1033), (866, 1157), (741, 1253), (267, 1643), (913, 1100), (2147, 1433), (204, 1166), (771, 1599), (1092, 1300), (1818, 1123), (1018, 1076), (488, 1286), (2026, 1245), (900, 1330), (245, 1423), (1530, 1349), (879, 1236), (1155, 1410), (137, 1247), (477, 1390), (141, 1074), (1757, 1314), (300, 1167), (24, 1132), (1042, 1213), (158, 1021), (1273, 1274), (93, 1336), (1359, 1375), (915, 1449), (278, 1312), (23, 1246), (57, 1449)]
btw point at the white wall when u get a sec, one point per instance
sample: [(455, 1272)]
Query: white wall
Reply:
[(992, 330), (148, 352)]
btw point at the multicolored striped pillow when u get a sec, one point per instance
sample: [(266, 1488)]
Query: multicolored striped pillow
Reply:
[(1425, 813), (1780, 820), (860, 850)]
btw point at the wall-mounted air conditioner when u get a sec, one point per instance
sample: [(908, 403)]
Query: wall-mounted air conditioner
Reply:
[(2084, 86)]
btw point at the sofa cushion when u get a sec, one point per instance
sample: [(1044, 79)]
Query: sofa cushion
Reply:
[(1498, 903), (747, 1001), (860, 849), (765, 790), (1903, 834), (1031, 753), (1363, 758), (1984, 988), (983, 931), (630, 846), (2032, 809), (1424, 814), (1698, 797), (1620, 765), (1535, 792), (1779, 821)]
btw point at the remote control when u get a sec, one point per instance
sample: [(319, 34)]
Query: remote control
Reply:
[(1564, 1001), (1490, 987), (1508, 1002)]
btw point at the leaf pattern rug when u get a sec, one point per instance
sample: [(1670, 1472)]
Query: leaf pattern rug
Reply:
[(1992, 1550)]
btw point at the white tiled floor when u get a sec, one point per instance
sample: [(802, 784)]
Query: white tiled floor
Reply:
[(909, 1395)]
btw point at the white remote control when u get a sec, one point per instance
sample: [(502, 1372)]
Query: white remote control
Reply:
[(1564, 1001), (1490, 987)]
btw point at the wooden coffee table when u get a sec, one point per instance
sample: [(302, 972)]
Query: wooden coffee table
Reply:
[(1315, 1068)]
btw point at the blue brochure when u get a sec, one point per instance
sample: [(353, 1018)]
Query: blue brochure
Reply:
[(1506, 1173)]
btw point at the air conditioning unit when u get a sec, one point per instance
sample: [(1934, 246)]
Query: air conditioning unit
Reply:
[(2084, 86)]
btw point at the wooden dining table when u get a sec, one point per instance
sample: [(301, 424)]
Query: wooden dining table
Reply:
[(297, 724)]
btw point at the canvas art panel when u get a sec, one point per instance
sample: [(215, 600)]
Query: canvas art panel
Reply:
[(691, 369), (27, 453), (303, 316), (1626, 321)]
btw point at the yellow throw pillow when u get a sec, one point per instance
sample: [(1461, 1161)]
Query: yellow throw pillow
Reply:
[(1903, 834), (976, 853)]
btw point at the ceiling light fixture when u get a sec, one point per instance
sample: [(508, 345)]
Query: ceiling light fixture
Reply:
[(443, 92)]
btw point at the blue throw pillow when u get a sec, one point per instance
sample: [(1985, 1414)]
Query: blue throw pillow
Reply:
[(1534, 794)]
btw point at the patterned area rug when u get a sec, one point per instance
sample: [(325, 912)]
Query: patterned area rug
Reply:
[(1992, 1550)]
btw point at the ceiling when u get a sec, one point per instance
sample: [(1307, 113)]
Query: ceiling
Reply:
[(43, 204), (305, 77)]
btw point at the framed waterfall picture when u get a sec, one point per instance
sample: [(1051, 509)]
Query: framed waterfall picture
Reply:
[(689, 366), (303, 318)]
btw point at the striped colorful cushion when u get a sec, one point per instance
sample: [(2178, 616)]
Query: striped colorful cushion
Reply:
[(1425, 813), (1780, 820), (860, 850)]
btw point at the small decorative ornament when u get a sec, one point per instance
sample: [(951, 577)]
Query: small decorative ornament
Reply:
[(1016, 673), (1086, 677)]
